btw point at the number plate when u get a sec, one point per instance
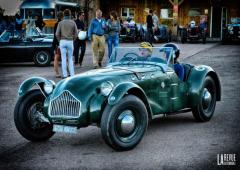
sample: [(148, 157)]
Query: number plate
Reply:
[(65, 129)]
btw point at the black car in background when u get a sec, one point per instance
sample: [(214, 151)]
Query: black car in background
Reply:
[(231, 33), (17, 47)]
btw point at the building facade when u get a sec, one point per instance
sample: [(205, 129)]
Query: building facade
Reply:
[(217, 13)]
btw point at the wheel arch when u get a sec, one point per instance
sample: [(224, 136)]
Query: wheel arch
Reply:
[(29, 83), (129, 88), (196, 81)]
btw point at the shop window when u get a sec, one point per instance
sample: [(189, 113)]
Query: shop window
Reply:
[(128, 12), (49, 13), (194, 12), (166, 13)]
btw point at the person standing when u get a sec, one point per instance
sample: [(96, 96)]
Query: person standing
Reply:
[(96, 34), (55, 45), (149, 34), (113, 32), (79, 43), (39, 22), (18, 24), (155, 21), (66, 33)]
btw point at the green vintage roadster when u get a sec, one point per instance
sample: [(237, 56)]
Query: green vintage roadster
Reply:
[(136, 86)]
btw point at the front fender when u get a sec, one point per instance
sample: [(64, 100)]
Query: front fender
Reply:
[(29, 83), (196, 80), (119, 91), (129, 88)]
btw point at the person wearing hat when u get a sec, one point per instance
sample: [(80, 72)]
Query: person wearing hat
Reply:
[(145, 50), (178, 67)]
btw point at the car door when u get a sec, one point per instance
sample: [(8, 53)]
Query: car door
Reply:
[(13, 50)]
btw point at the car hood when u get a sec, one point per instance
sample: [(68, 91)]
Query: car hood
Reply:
[(84, 85)]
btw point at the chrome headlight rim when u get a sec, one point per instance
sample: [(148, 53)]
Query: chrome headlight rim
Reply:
[(48, 86), (106, 88)]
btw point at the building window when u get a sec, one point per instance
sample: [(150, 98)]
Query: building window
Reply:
[(166, 13), (128, 12)]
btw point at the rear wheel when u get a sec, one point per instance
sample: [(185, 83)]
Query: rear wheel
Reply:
[(26, 117), (42, 58), (205, 109), (124, 124)]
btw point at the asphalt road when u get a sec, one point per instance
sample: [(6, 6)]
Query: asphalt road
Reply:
[(174, 142)]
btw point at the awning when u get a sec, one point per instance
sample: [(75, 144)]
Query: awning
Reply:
[(63, 3), (43, 4)]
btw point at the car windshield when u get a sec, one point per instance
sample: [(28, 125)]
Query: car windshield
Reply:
[(161, 56)]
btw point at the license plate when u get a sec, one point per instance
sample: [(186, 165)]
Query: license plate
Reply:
[(65, 129)]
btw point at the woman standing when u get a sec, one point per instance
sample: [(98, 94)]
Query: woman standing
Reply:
[(113, 32), (55, 44), (66, 33)]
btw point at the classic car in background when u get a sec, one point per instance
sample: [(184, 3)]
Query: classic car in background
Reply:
[(162, 34), (231, 33), (19, 47), (129, 31), (193, 33), (138, 84)]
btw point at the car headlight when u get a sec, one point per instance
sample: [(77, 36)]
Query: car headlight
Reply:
[(48, 87), (230, 28), (106, 88)]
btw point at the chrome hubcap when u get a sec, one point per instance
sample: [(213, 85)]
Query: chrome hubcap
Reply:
[(126, 122), (206, 98)]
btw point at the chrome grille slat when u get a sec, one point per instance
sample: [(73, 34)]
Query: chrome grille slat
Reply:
[(65, 105)]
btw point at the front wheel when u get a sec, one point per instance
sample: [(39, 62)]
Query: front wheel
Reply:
[(124, 124), (42, 58), (205, 109), (26, 117)]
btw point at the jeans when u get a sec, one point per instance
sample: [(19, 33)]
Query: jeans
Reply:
[(112, 40), (77, 44), (66, 46)]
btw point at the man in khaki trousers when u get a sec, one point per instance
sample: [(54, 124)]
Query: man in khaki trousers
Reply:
[(96, 34)]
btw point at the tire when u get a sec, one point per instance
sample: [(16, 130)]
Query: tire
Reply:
[(42, 58), (24, 120), (129, 108), (205, 109)]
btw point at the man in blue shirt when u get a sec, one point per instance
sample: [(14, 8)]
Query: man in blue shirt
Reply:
[(96, 34)]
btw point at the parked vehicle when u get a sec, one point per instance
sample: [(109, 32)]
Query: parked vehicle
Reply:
[(18, 47), (128, 31), (120, 98), (231, 33), (162, 34), (193, 33)]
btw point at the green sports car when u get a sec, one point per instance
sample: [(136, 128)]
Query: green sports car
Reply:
[(136, 86)]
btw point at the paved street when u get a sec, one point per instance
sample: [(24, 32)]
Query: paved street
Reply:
[(174, 142)]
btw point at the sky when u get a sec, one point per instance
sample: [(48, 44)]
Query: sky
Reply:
[(10, 6)]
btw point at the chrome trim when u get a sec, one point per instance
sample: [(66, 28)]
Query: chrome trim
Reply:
[(65, 105)]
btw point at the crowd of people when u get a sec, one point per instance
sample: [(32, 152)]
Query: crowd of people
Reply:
[(67, 42)]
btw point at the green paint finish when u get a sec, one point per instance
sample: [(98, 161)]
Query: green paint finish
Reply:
[(162, 92)]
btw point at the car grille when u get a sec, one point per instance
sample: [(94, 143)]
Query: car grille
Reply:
[(65, 105)]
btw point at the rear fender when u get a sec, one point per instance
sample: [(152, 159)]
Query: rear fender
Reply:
[(196, 80)]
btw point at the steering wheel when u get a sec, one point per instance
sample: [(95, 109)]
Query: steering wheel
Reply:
[(129, 57)]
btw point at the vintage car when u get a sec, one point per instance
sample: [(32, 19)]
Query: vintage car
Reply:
[(120, 98), (231, 33), (129, 31), (194, 33), (161, 34), (19, 47)]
